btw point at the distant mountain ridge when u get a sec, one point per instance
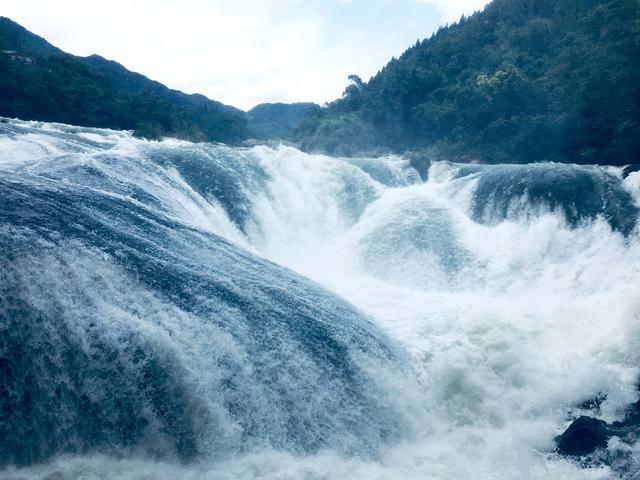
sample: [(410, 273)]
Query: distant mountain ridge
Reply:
[(522, 81), (41, 82), (277, 120)]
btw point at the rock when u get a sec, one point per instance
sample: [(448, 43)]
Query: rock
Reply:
[(587, 437), (584, 436), (587, 434)]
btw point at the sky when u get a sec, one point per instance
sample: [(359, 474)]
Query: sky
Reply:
[(242, 52)]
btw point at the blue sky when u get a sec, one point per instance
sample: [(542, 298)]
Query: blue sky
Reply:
[(242, 52)]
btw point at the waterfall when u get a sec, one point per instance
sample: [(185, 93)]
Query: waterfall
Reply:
[(172, 309)]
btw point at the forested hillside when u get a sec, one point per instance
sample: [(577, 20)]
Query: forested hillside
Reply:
[(40, 82), (522, 81)]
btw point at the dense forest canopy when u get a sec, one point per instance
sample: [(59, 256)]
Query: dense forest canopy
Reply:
[(522, 81), (41, 82)]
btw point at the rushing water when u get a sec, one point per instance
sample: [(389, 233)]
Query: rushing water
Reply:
[(156, 322)]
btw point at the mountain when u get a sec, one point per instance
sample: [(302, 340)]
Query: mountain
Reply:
[(41, 82), (277, 120), (522, 81)]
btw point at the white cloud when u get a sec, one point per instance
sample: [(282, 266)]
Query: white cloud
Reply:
[(452, 10)]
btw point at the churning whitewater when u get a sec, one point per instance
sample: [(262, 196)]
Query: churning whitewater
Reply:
[(180, 310)]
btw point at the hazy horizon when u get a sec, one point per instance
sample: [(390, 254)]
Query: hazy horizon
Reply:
[(245, 53)]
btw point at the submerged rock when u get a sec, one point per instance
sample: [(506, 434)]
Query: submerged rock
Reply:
[(584, 436), (588, 439)]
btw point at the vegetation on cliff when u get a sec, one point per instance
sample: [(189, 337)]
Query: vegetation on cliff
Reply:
[(522, 81)]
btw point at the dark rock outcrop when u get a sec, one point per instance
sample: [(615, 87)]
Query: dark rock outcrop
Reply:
[(584, 436)]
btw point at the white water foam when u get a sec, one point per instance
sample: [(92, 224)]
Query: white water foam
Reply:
[(509, 326)]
